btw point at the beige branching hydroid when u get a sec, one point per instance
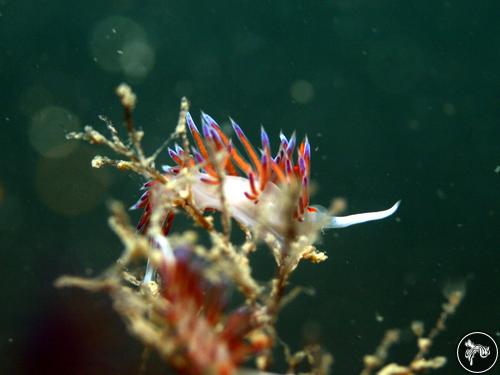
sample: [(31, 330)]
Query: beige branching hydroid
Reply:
[(420, 363), (192, 331)]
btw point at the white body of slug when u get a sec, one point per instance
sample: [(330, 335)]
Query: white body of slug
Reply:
[(268, 212)]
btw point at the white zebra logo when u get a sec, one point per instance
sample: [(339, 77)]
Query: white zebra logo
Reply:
[(477, 352), (473, 349)]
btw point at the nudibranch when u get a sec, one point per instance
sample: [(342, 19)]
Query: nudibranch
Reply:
[(251, 185)]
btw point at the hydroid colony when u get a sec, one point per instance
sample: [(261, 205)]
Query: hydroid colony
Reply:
[(179, 305)]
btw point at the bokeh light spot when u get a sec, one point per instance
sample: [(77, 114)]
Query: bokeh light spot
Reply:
[(137, 59), (449, 109), (111, 35), (302, 91), (70, 186), (48, 129)]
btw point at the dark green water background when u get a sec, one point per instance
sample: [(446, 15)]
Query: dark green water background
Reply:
[(400, 99)]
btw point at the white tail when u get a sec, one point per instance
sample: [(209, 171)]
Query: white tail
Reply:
[(345, 221)]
